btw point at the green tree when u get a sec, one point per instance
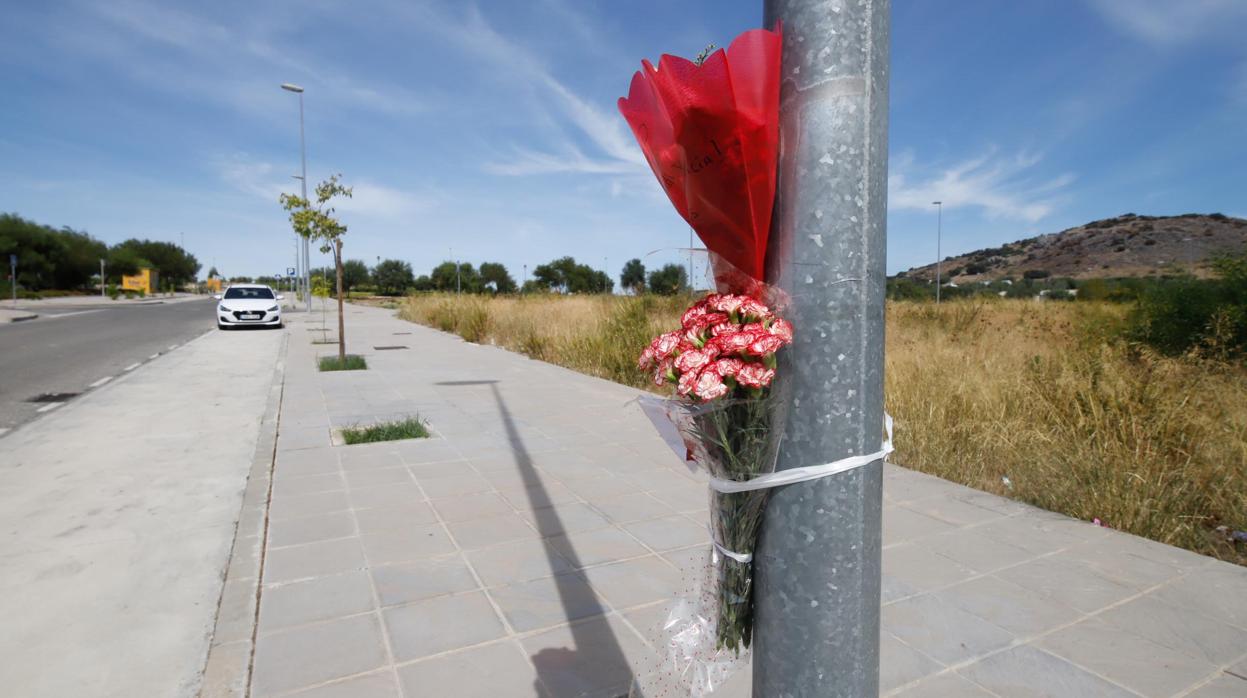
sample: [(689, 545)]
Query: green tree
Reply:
[(564, 275), (213, 273), (633, 277), (354, 273), (240, 280), (393, 277), (669, 280), (123, 261), (496, 279), (172, 262), (424, 282), (48, 257), (467, 279), (317, 223)]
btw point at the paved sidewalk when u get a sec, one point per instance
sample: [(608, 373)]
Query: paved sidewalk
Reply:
[(531, 546), (117, 512)]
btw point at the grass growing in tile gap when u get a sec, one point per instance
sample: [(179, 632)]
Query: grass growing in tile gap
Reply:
[(410, 428), (354, 362)]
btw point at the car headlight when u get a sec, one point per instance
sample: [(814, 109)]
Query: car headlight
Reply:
[(223, 309), (272, 309)]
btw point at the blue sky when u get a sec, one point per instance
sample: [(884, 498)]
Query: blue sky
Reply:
[(491, 128)]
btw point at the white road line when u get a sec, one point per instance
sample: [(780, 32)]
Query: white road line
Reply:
[(172, 347), (131, 367), (153, 356), (100, 382), (50, 406)]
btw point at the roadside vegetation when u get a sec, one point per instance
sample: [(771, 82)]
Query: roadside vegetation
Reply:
[(350, 362), (1061, 405), (410, 428)]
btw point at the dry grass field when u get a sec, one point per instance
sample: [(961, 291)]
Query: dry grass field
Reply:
[(1039, 401)]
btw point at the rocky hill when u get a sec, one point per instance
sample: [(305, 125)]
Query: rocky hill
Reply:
[(1128, 245)]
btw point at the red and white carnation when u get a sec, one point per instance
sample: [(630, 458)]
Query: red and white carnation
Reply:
[(724, 341)]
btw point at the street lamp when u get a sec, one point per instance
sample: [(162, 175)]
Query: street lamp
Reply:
[(939, 231), (303, 260)]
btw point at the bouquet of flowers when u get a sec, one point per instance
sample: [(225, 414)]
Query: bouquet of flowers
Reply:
[(722, 364)]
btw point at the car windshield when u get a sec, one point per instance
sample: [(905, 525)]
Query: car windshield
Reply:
[(248, 293)]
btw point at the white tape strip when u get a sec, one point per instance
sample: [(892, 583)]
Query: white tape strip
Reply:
[(744, 558), (809, 472)]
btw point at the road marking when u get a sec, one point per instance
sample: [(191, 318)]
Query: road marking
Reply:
[(131, 367), (153, 356), (172, 347), (4, 430), (50, 406), (100, 382)]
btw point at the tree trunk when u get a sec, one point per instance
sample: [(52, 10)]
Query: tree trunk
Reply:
[(337, 259)]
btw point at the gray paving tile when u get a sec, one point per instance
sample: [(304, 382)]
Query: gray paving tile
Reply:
[(441, 624), (390, 518), (1023, 672), (306, 462), (517, 561), (1224, 686), (668, 533), (383, 496), (1217, 592), (1123, 566), (635, 582), (590, 658), (596, 547), (472, 506), (945, 686), (1037, 536), (406, 544), (355, 458), (314, 654), (309, 529), (900, 664), (953, 511), (602, 487), (413, 581), (547, 602), (538, 497), (379, 684), (942, 631), (1069, 581), (917, 568), (901, 525), (455, 485), (372, 477), (1143, 666), (300, 505), (459, 674), (313, 560), (307, 484), (1179, 629), (323, 598), (1009, 606), (565, 518), (490, 530), (631, 507), (975, 550)]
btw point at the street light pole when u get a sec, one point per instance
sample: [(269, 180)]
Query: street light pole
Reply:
[(304, 258), (939, 233), (817, 564)]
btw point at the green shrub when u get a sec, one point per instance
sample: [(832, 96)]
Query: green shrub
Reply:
[(1185, 314)]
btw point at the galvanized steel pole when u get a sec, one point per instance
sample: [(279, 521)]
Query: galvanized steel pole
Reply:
[(817, 568)]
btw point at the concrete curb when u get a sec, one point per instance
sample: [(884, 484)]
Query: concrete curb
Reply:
[(14, 316), (227, 669)]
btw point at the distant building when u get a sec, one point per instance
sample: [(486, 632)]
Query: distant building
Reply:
[(213, 285), (147, 281)]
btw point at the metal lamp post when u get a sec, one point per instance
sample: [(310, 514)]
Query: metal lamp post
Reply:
[(817, 564), (939, 232), (304, 258)]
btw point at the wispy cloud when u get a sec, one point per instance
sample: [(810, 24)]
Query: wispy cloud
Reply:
[(603, 129), (1001, 187), (1172, 22)]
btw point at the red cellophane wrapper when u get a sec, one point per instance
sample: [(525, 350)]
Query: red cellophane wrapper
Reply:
[(710, 133)]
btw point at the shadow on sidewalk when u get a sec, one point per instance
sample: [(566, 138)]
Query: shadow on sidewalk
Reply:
[(597, 666)]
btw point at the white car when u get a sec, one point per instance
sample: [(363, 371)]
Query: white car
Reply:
[(248, 304)]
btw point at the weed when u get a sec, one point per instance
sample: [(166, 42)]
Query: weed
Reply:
[(354, 362), (410, 428)]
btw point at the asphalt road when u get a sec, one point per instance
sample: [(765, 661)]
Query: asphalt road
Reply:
[(73, 349)]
